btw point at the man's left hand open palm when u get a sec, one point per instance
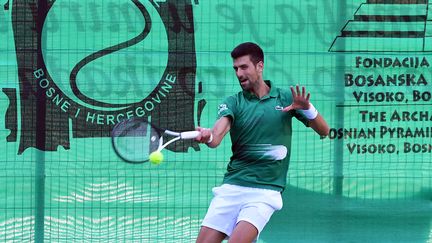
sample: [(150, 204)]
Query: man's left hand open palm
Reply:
[(300, 99)]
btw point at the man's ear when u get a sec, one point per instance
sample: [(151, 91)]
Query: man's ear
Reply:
[(260, 66)]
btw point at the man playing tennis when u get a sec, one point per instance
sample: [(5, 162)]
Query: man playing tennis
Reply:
[(259, 121)]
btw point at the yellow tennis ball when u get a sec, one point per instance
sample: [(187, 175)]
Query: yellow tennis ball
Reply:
[(156, 157)]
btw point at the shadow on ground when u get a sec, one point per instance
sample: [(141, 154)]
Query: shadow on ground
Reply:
[(314, 217)]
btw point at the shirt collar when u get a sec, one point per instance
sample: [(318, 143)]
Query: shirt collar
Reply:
[(273, 92)]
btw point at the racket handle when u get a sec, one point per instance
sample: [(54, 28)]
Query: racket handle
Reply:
[(189, 135)]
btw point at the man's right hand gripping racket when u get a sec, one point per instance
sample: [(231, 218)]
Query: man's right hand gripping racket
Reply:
[(135, 139)]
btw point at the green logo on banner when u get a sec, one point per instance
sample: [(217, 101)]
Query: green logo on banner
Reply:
[(96, 64), (387, 26)]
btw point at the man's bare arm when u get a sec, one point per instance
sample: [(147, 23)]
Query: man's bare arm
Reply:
[(213, 137)]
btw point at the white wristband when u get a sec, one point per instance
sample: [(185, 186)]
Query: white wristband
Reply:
[(310, 113), (210, 139)]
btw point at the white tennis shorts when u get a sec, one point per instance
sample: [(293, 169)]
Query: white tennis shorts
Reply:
[(232, 204)]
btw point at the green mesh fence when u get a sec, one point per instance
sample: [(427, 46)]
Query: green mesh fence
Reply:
[(69, 70)]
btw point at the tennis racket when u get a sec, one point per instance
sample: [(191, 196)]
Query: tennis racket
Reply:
[(135, 139)]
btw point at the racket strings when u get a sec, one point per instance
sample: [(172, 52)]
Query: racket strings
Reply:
[(134, 140)]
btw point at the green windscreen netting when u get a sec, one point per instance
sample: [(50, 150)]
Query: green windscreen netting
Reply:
[(70, 70)]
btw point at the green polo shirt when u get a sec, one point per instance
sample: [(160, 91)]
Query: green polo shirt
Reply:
[(261, 138)]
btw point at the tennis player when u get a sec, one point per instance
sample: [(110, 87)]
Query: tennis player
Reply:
[(259, 121)]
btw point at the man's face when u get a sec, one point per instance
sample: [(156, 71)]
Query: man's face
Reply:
[(247, 72)]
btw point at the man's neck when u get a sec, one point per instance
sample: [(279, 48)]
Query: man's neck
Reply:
[(262, 89)]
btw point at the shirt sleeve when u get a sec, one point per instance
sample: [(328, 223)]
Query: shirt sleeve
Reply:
[(299, 115), (227, 108)]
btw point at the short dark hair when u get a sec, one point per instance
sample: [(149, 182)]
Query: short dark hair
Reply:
[(248, 48)]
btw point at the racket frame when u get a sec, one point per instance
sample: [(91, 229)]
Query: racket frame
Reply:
[(161, 132)]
